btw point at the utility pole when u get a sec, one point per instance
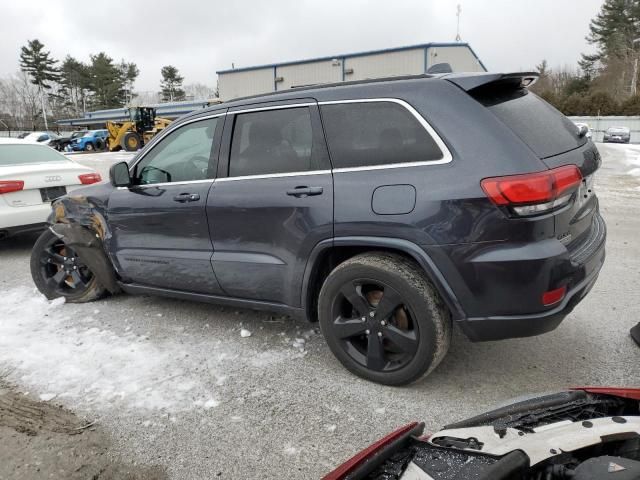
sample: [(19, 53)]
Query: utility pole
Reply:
[(459, 11), (634, 77), (44, 111)]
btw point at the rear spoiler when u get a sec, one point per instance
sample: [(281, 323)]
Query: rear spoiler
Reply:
[(471, 81)]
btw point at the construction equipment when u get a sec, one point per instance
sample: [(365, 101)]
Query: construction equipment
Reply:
[(133, 134)]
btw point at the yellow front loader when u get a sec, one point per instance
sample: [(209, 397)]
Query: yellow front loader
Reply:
[(133, 134)]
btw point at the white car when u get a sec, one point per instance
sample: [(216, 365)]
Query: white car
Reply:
[(32, 175), (43, 138)]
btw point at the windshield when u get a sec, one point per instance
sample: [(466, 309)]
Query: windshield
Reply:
[(26, 154), (78, 134), (617, 130)]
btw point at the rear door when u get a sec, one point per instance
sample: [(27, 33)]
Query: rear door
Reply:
[(159, 225), (272, 202)]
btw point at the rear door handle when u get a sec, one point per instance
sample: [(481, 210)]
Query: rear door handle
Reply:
[(304, 191), (187, 197)]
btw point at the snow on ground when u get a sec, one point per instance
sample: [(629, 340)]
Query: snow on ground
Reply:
[(78, 362)]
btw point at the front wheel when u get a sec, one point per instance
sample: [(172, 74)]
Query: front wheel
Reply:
[(58, 272), (382, 318), (89, 147)]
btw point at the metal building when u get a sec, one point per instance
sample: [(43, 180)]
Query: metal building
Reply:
[(411, 60)]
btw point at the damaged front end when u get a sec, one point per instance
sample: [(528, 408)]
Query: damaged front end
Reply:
[(582, 434), (79, 221)]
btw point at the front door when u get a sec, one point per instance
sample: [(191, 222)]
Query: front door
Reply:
[(274, 202), (160, 233)]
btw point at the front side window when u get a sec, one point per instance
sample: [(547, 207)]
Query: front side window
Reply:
[(183, 155), (376, 133), (271, 142)]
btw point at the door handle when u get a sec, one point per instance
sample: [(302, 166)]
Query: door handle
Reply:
[(187, 197), (304, 191)]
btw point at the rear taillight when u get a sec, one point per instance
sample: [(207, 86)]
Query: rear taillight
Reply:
[(89, 178), (8, 186), (534, 193)]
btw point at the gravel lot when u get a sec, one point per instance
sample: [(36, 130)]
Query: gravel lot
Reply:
[(174, 385)]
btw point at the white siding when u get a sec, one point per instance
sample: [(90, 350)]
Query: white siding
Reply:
[(245, 83), (407, 62), (308, 74), (460, 58)]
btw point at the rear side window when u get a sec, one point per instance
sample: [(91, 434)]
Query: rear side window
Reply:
[(272, 141), (376, 133), (543, 128)]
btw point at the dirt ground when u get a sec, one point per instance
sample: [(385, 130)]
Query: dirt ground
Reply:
[(44, 440)]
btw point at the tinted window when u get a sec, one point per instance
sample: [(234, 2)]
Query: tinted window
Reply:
[(375, 133), (20, 154), (543, 128), (272, 141), (181, 156)]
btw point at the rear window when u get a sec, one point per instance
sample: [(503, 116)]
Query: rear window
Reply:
[(543, 128), (24, 154), (376, 133)]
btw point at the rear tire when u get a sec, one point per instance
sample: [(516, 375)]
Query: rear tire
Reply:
[(402, 336), (131, 142), (52, 269)]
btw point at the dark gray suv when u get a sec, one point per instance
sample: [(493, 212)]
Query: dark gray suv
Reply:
[(386, 210)]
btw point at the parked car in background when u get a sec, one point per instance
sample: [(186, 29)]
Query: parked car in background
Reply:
[(617, 135), (386, 210), (44, 138), (91, 141), (584, 129), (22, 135), (31, 177), (61, 143), (586, 433)]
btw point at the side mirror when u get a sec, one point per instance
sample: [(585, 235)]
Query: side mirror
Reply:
[(583, 130), (119, 174)]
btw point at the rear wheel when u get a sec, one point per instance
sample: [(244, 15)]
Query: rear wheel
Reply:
[(382, 319), (58, 272), (131, 142)]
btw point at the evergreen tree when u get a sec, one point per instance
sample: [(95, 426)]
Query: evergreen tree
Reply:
[(75, 80), (171, 84), (41, 69), (128, 72), (106, 82)]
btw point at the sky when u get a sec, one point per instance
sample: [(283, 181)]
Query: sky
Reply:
[(201, 37)]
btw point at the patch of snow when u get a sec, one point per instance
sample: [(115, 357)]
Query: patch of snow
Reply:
[(331, 428), (45, 397), (291, 450), (381, 410), (211, 404), (48, 347), (245, 333)]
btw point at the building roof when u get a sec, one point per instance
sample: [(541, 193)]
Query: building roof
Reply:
[(356, 54)]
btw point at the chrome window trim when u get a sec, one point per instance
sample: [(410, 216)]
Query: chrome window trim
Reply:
[(273, 107), (164, 184), (274, 175), (446, 154)]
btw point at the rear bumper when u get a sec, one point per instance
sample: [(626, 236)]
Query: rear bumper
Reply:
[(15, 218), (34, 227), (500, 286), (514, 326)]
